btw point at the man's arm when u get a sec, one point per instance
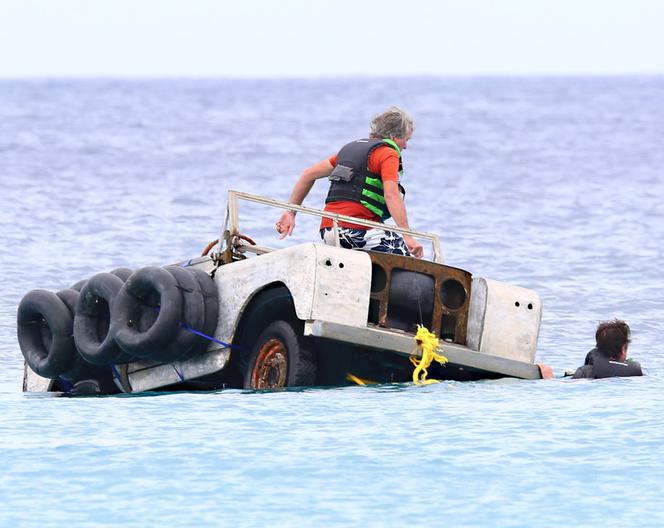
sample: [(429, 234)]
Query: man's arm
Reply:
[(586, 371), (286, 222), (397, 209)]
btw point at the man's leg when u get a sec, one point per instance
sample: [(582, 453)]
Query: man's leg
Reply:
[(386, 242), (372, 240), (348, 238)]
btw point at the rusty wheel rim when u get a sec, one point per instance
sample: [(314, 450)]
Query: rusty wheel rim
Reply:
[(271, 366)]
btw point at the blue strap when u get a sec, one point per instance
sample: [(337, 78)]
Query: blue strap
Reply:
[(209, 338), (66, 385), (180, 375), (204, 336), (116, 376)]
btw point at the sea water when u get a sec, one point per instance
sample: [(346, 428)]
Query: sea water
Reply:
[(554, 184)]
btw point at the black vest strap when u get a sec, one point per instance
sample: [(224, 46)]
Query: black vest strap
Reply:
[(598, 365), (352, 181), (608, 368)]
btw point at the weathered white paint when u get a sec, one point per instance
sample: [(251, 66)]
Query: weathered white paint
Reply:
[(503, 320), (342, 286), (326, 283), (33, 382), (153, 376)]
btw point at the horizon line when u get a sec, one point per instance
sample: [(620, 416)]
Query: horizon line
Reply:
[(214, 77)]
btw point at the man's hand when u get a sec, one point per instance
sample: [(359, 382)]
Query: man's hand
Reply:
[(545, 371), (397, 210), (285, 224), (415, 248)]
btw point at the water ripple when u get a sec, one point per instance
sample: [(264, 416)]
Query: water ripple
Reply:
[(554, 184)]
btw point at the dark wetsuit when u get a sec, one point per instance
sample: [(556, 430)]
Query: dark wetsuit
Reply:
[(597, 365)]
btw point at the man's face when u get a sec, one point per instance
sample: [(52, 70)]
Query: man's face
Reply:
[(402, 143)]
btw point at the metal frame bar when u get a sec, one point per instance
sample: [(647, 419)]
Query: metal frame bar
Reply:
[(232, 220)]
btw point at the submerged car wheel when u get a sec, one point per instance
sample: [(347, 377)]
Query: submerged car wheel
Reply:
[(280, 357), (270, 350), (271, 366)]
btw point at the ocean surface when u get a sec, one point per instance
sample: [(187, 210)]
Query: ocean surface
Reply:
[(554, 184)]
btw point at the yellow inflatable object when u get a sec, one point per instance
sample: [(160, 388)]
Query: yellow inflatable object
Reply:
[(359, 381), (428, 343)]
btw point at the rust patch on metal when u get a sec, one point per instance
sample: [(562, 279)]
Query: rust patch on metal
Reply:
[(441, 274), (271, 366), (233, 243)]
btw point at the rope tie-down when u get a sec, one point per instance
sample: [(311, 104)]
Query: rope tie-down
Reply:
[(188, 328), (121, 374)]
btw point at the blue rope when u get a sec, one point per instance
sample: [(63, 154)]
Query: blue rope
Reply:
[(209, 338), (204, 336), (177, 372), (66, 385), (116, 375)]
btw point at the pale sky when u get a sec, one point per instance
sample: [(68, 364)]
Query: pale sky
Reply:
[(312, 38)]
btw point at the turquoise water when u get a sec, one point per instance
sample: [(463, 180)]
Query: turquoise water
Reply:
[(553, 184), (506, 453)]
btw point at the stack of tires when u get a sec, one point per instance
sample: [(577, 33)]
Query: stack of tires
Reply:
[(157, 314)]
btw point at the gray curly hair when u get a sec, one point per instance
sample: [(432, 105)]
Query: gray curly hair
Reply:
[(394, 122)]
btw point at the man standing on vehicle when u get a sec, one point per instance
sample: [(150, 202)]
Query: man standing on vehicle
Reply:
[(364, 183)]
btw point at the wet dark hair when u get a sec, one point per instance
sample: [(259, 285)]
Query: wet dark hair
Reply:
[(611, 336)]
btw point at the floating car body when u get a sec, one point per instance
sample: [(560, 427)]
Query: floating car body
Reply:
[(252, 317)]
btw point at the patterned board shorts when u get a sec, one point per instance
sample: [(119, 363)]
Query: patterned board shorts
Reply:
[(371, 240)]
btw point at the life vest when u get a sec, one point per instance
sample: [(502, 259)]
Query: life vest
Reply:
[(351, 180), (599, 366)]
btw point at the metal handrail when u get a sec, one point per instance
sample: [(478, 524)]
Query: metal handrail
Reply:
[(231, 222)]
